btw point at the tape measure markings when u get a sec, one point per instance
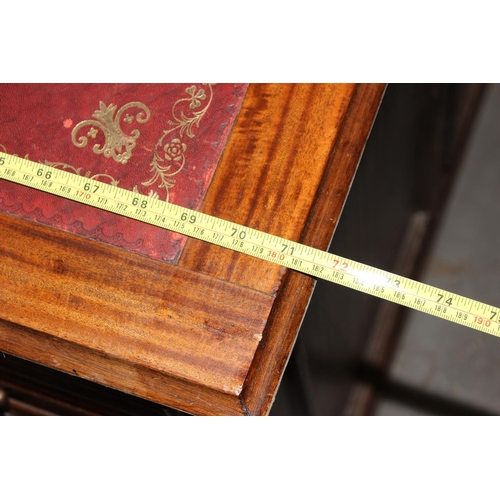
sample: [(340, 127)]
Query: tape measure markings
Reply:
[(271, 248)]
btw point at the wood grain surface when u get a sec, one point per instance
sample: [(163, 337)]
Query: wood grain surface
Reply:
[(124, 308), (213, 334), (270, 172), (296, 289)]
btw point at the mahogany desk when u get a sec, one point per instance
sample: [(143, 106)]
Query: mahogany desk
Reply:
[(211, 334)]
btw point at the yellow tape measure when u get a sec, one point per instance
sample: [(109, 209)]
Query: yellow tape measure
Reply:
[(314, 262)]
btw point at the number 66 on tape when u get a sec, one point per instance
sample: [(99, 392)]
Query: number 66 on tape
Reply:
[(317, 263)]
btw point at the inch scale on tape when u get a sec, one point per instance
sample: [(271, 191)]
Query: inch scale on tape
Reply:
[(308, 260)]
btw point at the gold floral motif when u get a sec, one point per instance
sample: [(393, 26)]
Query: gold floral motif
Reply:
[(170, 150), (169, 156), (174, 150), (115, 139), (196, 96)]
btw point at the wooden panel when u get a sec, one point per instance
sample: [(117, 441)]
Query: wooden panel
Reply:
[(124, 307), (213, 334), (132, 378), (296, 290), (270, 173)]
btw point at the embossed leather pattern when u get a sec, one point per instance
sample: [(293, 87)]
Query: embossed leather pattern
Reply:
[(162, 140)]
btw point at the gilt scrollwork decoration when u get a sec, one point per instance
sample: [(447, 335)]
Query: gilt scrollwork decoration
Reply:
[(170, 151), (118, 145), (78, 171)]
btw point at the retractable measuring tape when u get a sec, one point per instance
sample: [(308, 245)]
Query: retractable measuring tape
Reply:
[(308, 260)]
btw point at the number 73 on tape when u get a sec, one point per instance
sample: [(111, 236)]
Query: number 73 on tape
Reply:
[(425, 298)]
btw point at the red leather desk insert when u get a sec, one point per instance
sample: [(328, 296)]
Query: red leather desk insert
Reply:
[(210, 331), (160, 140)]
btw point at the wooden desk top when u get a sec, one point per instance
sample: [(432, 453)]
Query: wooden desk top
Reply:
[(211, 334)]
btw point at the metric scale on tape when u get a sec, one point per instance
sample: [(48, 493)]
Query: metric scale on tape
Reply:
[(308, 260)]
